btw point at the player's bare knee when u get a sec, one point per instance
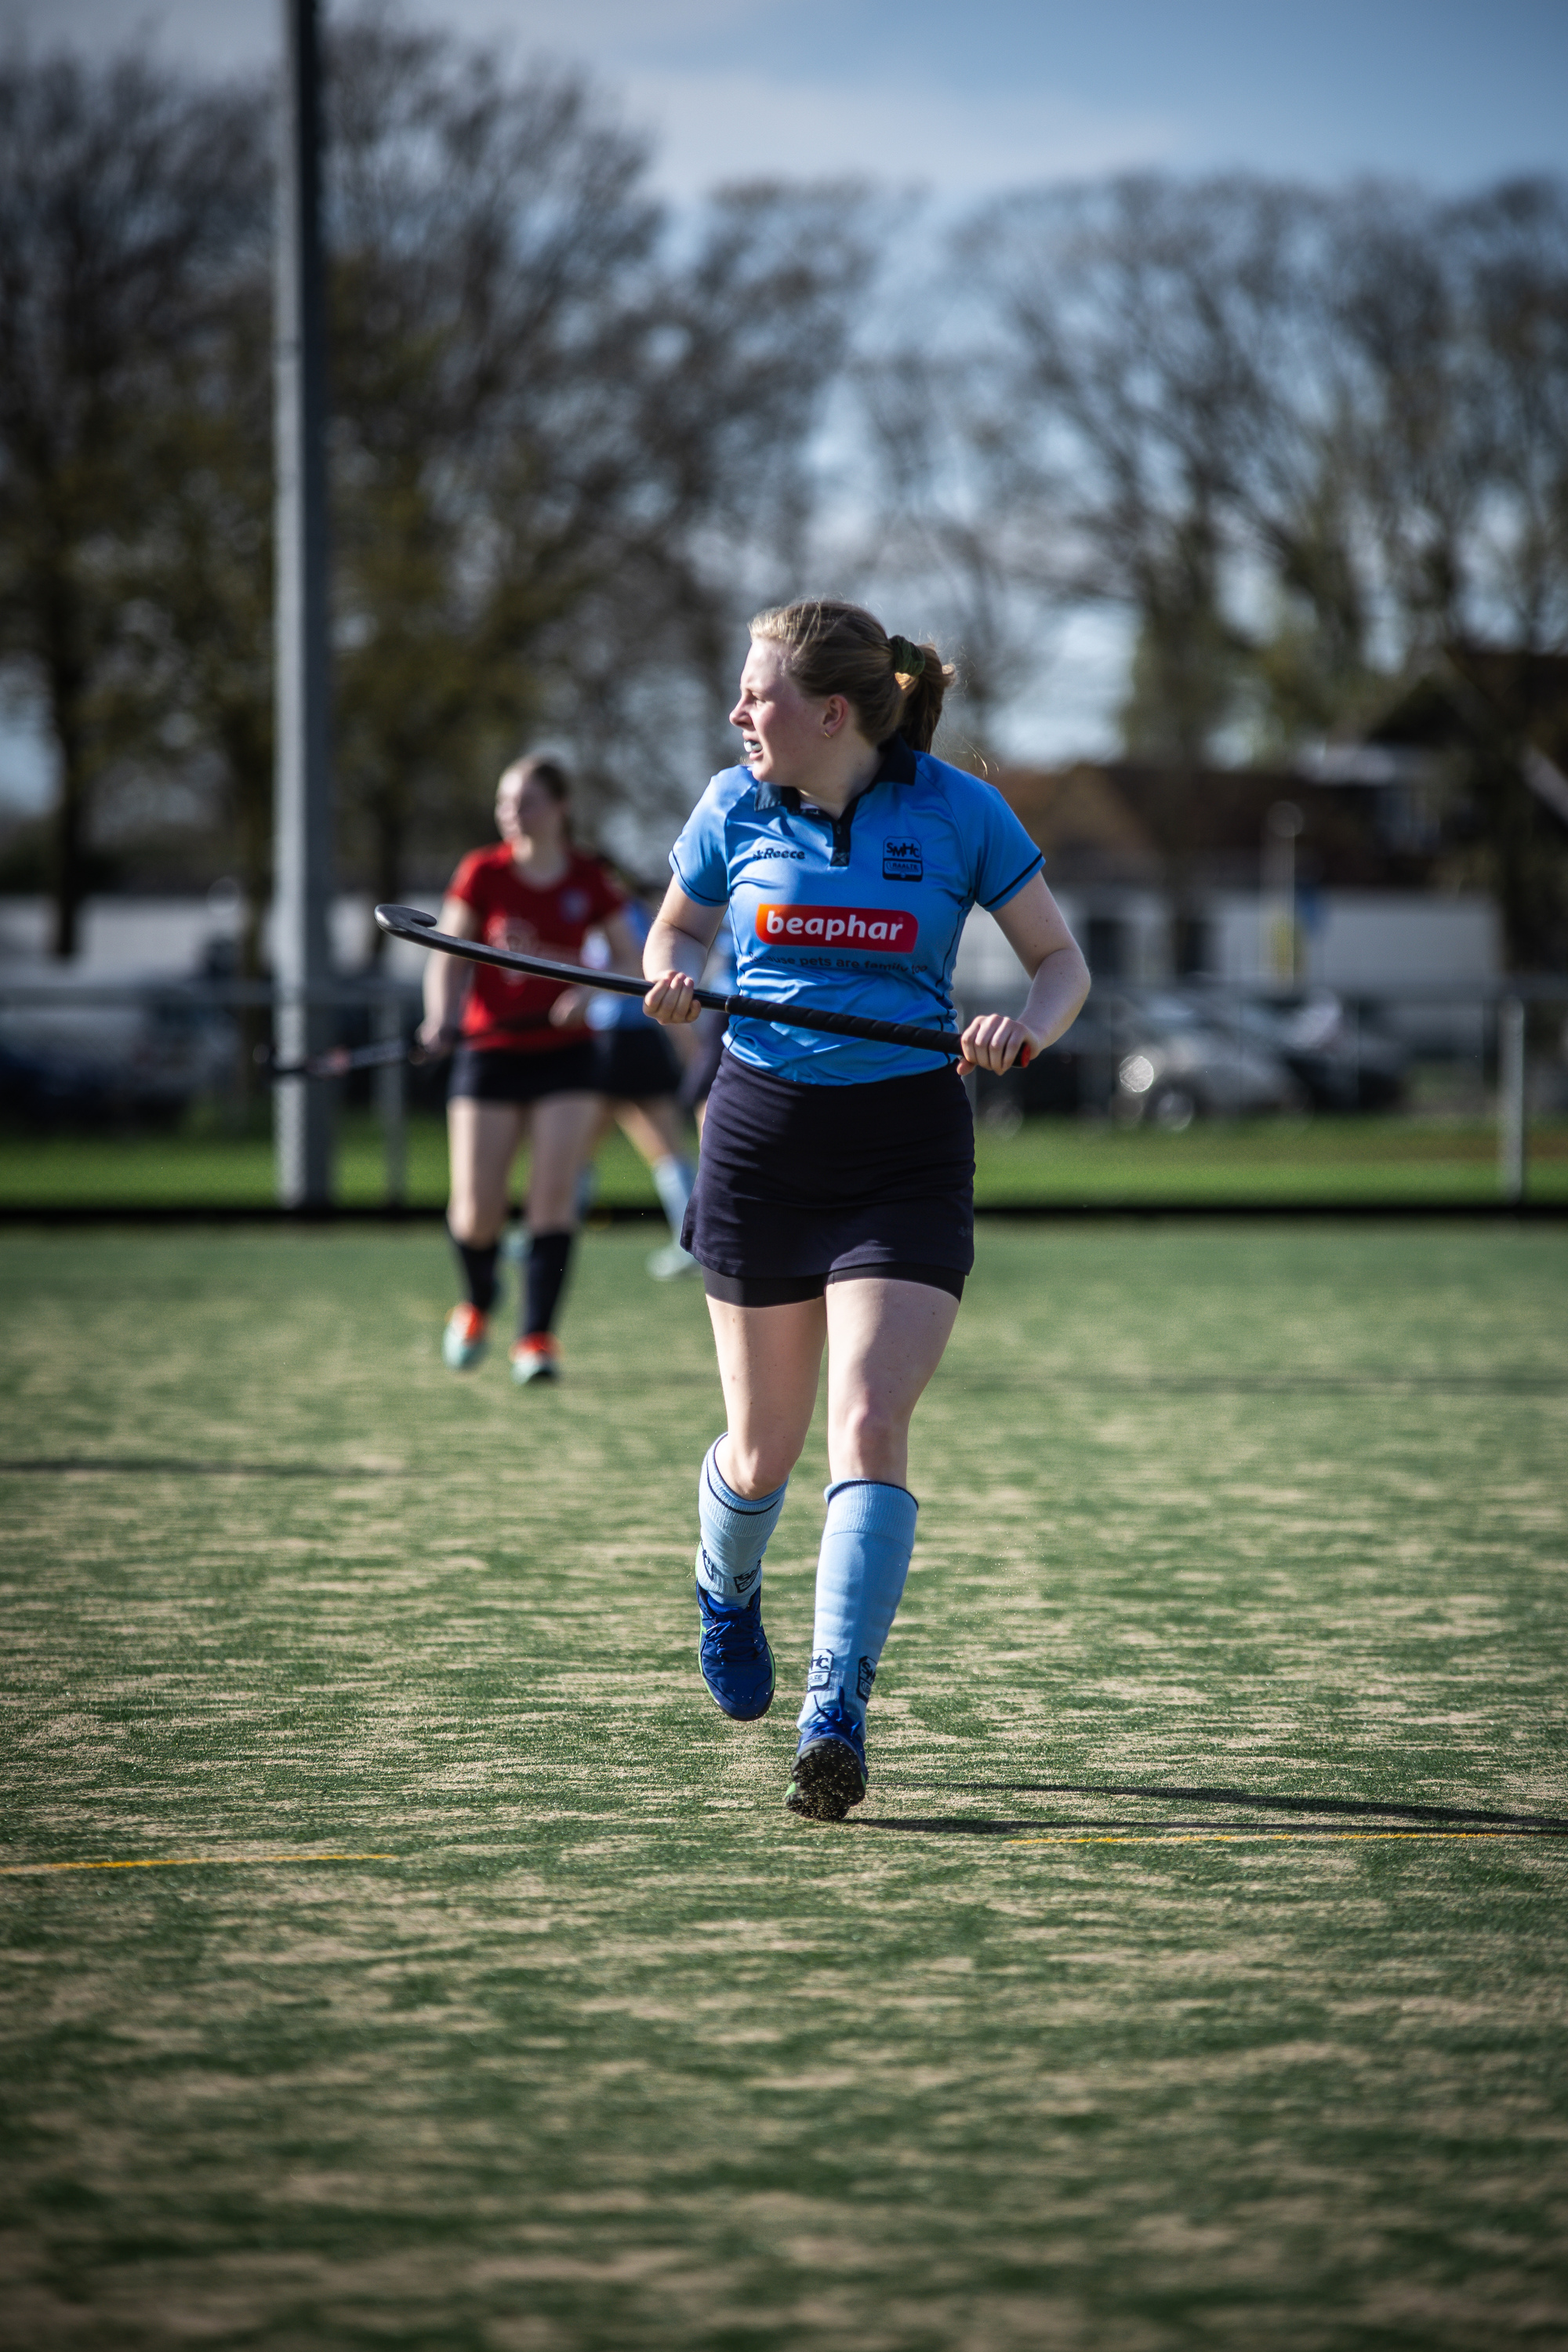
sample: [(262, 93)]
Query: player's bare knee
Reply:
[(867, 1433), (552, 1213), (757, 1465)]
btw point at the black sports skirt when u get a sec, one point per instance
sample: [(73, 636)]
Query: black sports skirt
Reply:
[(704, 1067), (635, 1065), (495, 1073), (798, 1185)]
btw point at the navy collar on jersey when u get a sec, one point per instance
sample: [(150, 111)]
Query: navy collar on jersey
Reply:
[(896, 766)]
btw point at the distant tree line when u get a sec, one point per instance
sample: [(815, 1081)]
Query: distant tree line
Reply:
[(1308, 441), (1311, 442), (565, 445)]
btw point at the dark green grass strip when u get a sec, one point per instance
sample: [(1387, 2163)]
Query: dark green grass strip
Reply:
[(1286, 1211), (1280, 1166)]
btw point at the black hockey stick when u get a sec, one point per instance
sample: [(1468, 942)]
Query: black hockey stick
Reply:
[(338, 1060), (409, 923)]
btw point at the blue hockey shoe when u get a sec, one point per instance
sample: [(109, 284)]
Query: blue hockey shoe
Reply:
[(829, 1767), (734, 1654)]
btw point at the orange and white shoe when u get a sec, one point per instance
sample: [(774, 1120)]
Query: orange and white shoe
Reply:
[(466, 1339), (535, 1357)]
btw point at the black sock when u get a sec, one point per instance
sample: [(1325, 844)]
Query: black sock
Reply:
[(478, 1263), (549, 1257)]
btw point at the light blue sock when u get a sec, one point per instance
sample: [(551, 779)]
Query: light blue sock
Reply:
[(734, 1534), (865, 1558), (672, 1180)]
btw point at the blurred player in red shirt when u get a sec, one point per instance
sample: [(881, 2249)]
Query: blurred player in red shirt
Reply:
[(523, 1059)]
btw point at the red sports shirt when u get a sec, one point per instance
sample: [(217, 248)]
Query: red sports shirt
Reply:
[(508, 1011)]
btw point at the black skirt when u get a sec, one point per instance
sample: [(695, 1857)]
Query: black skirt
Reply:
[(495, 1073), (797, 1180), (635, 1065)]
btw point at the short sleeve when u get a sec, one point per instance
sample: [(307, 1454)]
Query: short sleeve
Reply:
[(465, 882), (698, 860), (1006, 858)]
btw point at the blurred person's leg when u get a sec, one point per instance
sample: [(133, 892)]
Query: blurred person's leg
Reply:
[(482, 1140), (561, 1132)]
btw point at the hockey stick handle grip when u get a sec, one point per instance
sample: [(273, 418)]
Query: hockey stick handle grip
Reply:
[(411, 924)]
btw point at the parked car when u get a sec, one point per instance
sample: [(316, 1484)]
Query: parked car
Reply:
[(1157, 1058), (1078, 1074), (1345, 1061), (1182, 1064), (74, 1055)]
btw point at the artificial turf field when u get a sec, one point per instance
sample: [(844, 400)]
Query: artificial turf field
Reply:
[(1193, 1976)]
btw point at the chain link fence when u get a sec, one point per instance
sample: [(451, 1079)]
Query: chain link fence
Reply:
[(105, 1062)]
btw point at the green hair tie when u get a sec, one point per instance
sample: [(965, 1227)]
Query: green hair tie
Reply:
[(907, 660)]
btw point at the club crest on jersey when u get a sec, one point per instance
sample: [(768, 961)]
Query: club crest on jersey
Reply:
[(902, 861), (882, 930)]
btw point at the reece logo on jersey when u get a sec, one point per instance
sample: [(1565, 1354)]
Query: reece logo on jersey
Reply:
[(885, 931)]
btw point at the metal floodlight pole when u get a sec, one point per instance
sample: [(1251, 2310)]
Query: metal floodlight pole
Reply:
[(1282, 825), (301, 955)]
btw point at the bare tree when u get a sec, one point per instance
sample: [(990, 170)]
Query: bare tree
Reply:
[(1135, 390), (568, 445), (739, 337), (1420, 454), (957, 520), (204, 571), (559, 438), (486, 234), (1454, 322), (1510, 253), (120, 193), (1132, 314)]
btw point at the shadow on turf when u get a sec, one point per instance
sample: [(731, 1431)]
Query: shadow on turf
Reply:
[(1337, 1809)]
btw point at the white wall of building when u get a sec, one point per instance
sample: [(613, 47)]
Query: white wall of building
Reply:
[(1362, 943), (987, 973), (124, 939)]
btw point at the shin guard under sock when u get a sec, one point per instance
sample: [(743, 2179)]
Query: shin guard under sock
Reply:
[(549, 1257), (866, 1545), (735, 1534), (477, 1261)]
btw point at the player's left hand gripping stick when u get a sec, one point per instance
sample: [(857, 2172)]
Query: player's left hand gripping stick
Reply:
[(867, 1541), (735, 1534)]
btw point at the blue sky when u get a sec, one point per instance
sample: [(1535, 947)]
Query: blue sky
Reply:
[(992, 92)]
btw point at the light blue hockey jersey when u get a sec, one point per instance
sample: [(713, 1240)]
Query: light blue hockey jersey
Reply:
[(860, 913)]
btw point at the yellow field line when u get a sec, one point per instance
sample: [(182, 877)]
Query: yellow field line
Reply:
[(186, 1861), (1231, 1837)]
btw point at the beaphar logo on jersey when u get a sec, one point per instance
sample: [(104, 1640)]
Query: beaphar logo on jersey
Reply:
[(884, 930)]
